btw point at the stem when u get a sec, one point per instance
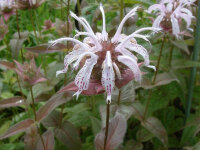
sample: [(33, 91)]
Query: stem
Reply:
[(107, 124), (32, 21), (121, 9), (154, 79), (159, 58), (171, 55), (118, 100), (194, 69), (35, 116)]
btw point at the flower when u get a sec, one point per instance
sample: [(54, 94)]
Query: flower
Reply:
[(7, 8), (29, 73), (29, 4), (170, 15), (104, 59)]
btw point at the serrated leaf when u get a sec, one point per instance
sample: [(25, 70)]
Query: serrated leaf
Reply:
[(116, 132)]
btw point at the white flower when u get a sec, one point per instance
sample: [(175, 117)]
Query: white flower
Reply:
[(6, 4), (104, 56), (170, 14)]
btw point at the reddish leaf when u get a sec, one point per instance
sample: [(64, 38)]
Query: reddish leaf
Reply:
[(93, 89), (48, 139), (12, 102), (68, 135), (54, 102), (46, 48), (19, 127), (127, 76), (54, 119), (116, 132), (31, 138), (8, 65)]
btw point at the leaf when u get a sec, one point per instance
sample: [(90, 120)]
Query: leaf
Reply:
[(188, 136), (143, 135), (153, 125), (16, 43), (127, 93), (11, 102), (54, 119), (133, 145), (182, 63), (138, 110), (54, 102), (19, 127), (8, 65), (48, 139), (182, 45), (68, 135), (116, 132), (162, 79), (195, 147), (125, 111), (102, 109), (47, 48), (31, 138), (96, 125)]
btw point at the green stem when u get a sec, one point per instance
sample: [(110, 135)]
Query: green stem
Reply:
[(159, 58), (107, 124), (171, 55), (118, 100), (194, 69), (121, 9), (154, 79), (32, 22), (35, 116)]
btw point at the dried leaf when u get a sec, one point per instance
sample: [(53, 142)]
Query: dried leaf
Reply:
[(11, 102), (31, 138), (54, 102), (8, 65), (154, 125), (19, 127), (68, 135), (48, 139), (116, 132)]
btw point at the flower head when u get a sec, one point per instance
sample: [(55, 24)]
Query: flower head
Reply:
[(104, 59), (29, 73), (7, 8), (171, 13), (29, 4)]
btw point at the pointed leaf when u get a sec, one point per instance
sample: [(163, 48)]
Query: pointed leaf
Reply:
[(138, 110), (8, 65), (11, 102), (116, 132), (47, 48), (182, 45), (96, 125), (19, 127), (48, 139), (54, 102)]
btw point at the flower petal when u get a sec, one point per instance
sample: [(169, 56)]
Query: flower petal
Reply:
[(83, 77), (108, 76), (132, 64)]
